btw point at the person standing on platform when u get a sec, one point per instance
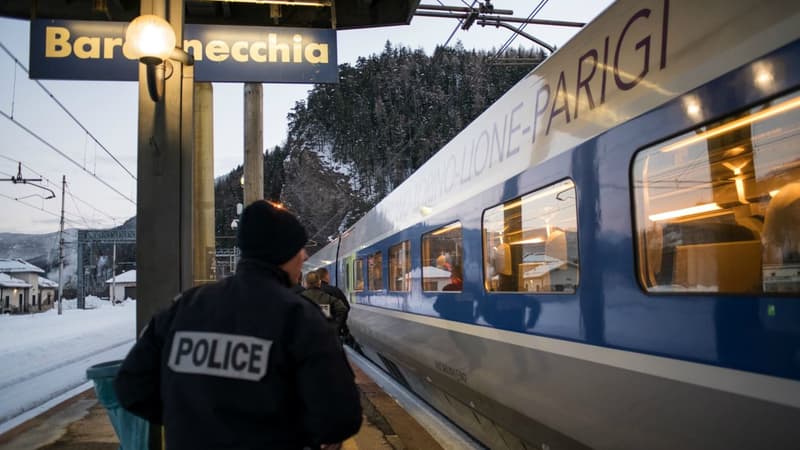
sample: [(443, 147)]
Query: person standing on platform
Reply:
[(333, 308), (244, 362), (330, 289)]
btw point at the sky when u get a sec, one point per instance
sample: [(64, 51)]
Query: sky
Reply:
[(51, 361), (101, 192)]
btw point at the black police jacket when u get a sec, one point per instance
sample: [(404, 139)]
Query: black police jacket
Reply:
[(243, 363)]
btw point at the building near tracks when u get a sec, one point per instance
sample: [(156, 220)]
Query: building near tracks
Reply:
[(23, 289), (122, 286)]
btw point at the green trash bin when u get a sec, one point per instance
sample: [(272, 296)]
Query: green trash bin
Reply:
[(132, 430)]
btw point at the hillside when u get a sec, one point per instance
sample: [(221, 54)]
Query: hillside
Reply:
[(349, 144)]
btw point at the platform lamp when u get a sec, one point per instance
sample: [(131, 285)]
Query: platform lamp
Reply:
[(151, 40)]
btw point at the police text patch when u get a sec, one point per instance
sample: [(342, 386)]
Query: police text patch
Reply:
[(219, 355)]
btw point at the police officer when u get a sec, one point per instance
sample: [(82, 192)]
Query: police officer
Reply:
[(325, 279), (245, 363), (333, 308)]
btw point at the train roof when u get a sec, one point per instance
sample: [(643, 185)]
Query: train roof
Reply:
[(633, 57)]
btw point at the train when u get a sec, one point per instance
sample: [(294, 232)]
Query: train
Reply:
[(608, 257)]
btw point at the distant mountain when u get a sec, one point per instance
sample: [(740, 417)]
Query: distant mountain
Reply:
[(42, 250)]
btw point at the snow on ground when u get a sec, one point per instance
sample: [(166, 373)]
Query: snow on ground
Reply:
[(44, 355)]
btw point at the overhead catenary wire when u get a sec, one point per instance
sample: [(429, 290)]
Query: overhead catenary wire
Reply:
[(72, 195), (519, 29), (75, 197), (73, 222), (52, 147), (64, 108), (75, 204), (460, 22)]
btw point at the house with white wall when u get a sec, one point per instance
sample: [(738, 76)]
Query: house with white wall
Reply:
[(13, 291), (31, 299), (48, 292), (122, 286)]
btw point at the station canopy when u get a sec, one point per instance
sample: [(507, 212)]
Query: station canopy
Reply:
[(337, 14)]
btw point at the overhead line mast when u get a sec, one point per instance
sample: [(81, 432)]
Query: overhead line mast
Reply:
[(19, 179)]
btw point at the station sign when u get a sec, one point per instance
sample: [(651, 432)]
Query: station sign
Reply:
[(94, 50)]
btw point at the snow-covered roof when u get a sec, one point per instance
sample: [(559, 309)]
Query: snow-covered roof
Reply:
[(435, 272), (539, 258), (543, 269), (45, 283), (124, 277), (11, 282), (18, 266)]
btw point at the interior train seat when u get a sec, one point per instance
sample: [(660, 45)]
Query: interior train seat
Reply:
[(781, 241), (711, 256)]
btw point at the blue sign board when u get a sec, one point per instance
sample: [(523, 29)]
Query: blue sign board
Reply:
[(93, 50)]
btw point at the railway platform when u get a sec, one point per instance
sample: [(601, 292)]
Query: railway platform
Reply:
[(81, 423)]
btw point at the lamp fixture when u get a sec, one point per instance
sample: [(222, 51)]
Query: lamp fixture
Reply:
[(151, 40)]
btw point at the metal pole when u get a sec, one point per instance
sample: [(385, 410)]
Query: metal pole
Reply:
[(253, 143), (113, 274), (203, 199), (61, 245), (164, 180)]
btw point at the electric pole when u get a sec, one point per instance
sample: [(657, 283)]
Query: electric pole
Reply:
[(113, 274), (61, 245)]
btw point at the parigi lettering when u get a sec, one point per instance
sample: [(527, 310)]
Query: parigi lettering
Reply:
[(557, 104), (60, 44)]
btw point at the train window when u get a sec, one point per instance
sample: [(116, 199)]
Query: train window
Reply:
[(442, 255), (375, 271), (530, 243), (358, 284), (717, 208), (400, 267)]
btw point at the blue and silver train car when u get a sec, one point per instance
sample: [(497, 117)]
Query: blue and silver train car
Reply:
[(609, 256)]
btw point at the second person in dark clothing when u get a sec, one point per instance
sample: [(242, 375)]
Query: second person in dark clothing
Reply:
[(325, 279), (333, 308)]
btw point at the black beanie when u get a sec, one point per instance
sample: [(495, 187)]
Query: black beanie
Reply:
[(269, 233)]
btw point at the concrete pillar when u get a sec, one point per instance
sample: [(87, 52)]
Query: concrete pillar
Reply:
[(203, 221), (164, 199), (253, 142)]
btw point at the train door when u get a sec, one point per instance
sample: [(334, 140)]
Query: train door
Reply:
[(349, 277)]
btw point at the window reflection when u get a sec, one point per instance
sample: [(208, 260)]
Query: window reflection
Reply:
[(530, 243), (375, 271), (442, 256), (400, 267), (359, 274), (706, 211)]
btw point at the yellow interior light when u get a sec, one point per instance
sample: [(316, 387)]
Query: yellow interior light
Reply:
[(699, 209)]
